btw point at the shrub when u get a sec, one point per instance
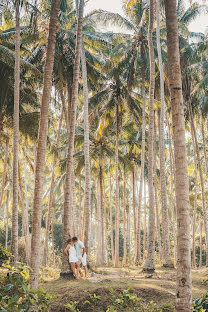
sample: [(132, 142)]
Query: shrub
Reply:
[(16, 294), (5, 255), (201, 304)]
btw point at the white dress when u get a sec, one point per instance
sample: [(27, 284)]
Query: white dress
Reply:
[(72, 254)]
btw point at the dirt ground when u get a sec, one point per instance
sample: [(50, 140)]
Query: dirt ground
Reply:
[(159, 288)]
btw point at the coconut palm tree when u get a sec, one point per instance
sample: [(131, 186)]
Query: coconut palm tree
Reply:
[(41, 148), (184, 295), (150, 263), (14, 247)]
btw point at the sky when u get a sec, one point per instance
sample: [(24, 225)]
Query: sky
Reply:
[(199, 25)]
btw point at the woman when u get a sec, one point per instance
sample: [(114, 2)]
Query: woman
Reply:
[(70, 252)]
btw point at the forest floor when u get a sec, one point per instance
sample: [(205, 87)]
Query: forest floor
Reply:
[(160, 287)]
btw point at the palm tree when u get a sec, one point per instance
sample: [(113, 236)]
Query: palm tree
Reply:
[(150, 263), (14, 246), (184, 295), (72, 119), (164, 203), (41, 148)]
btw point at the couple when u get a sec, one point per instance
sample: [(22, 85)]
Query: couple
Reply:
[(76, 252)]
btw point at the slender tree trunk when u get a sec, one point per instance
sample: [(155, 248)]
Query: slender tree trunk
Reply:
[(80, 208), (145, 222), (7, 220), (111, 222), (41, 149), (102, 220), (14, 243), (195, 202), (50, 203), (117, 192), (138, 255), (73, 108), (128, 231), (24, 219), (86, 150), (124, 223), (156, 196), (4, 172), (134, 207), (184, 281), (204, 206), (150, 261), (105, 225), (204, 147), (52, 240), (164, 201), (201, 245), (99, 224)]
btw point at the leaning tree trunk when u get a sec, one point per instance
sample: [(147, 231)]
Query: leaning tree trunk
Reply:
[(204, 206), (86, 151), (68, 187), (50, 203), (4, 172), (14, 245), (150, 261), (41, 149), (184, 282), (164, 202), (116, 263), (138, 250)]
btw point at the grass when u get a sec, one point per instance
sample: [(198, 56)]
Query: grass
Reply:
[(160, 288)]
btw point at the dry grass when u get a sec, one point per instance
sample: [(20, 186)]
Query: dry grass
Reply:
[(160, 288)]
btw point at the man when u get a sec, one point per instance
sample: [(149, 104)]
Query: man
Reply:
[(81, 253)]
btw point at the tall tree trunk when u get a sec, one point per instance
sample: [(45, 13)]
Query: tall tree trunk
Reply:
[(86, 151), (204, 147), (7, 220), (201, 244), (73, 108), (99, 223), (164, 202), (117, 192), (105, 225), (124, 216), (41, 149), (145, 223), (150, 261), (204, 206), (184, 281), (134, 207), (141, 185), (111, 222), (50, 202), (102, 220), (156, 196), (195, 202), (80, 209), (4, 172), (14, 244), (25, 221)]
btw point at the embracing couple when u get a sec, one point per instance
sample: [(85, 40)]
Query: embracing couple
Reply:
[(76, 252)]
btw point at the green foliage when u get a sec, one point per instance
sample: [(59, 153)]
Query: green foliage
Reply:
[(5, 255), (201, 304), (16, 294), (72, 306)]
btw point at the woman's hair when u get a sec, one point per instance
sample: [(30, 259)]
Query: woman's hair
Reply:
[(69, 241)]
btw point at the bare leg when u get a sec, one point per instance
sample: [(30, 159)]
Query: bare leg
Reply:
[(73, 268), (78, 269), (85, 269)]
